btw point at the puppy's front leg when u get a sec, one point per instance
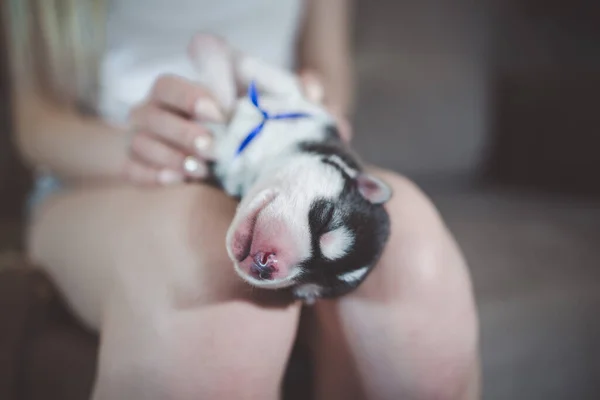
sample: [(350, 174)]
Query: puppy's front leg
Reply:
[(213, 60)]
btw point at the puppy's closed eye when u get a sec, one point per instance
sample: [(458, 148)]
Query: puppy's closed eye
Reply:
[(320, 216)]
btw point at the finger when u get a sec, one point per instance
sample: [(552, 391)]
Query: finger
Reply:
[(342, 123), (156, 153), (144, 174), (345, 129), (173, 129), (139, 173), (187, 98), (195, 168), (312, 86), (315, 91)]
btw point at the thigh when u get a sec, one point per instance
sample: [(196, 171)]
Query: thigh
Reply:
[(410, 331), (148, 269)]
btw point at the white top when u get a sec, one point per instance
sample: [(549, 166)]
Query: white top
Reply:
[(147, 38)]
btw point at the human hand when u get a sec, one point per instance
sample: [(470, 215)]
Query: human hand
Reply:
[(315, 91), (168, 144)]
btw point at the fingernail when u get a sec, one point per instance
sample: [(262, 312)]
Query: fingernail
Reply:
[(314, 90), (169, 177), (206, 108), (203, 144), (194, 167)]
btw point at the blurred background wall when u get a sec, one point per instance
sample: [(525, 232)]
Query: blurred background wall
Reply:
[(492, 106), (454, 90), (423, 68), (504, 89)]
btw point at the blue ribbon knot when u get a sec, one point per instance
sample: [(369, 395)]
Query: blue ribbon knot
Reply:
[(253, 95)]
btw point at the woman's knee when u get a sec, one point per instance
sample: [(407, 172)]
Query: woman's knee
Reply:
[(423, 282), (199, 227), (206, 273), (182, 304), (232, 349), (165, 241), (421, 257)]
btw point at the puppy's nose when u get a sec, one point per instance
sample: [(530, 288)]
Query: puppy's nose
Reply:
[(264, 266)]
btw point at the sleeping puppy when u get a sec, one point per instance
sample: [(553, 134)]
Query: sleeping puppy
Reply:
[(310, 217)]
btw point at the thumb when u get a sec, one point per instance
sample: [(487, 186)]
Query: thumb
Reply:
[(343, 124), (312, 86), (314, 90)]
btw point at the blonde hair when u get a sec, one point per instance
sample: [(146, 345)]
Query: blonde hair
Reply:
[(55, 47)]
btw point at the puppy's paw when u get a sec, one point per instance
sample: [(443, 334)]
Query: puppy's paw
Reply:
[(203, 45), (212, 58)]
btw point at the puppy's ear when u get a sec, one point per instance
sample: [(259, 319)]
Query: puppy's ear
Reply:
[(373, 189), (213, 60)]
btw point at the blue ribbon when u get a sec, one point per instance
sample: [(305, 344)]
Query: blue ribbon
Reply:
[(253, 95)]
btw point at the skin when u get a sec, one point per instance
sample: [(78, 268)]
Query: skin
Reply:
[(410, 331), (141, 259)]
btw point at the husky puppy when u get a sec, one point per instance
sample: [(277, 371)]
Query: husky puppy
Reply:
[(311, 218)]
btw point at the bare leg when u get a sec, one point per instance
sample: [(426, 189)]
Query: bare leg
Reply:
[(148, 269), (411, 331)]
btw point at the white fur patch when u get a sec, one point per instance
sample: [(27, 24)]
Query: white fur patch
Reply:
[(274, 284), (354, 275), (335, 244), (299, 180), (268, 78), (352, 173), (308, 293)]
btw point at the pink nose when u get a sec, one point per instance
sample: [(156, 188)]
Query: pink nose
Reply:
[(264, 266)]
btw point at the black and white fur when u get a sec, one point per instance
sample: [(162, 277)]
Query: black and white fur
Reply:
[(333, 208), (300, 187)]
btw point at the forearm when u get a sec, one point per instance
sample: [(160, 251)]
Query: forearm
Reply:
[(326, 49), (70, 145)]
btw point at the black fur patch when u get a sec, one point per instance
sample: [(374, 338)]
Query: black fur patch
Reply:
[(213, 181), (332, 144), (369, 223), (332, 133)]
